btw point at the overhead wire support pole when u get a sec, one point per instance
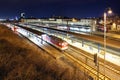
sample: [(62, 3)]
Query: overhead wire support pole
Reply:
[(104, 40)]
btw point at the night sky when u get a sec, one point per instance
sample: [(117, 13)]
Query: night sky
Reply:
[(47, 8)]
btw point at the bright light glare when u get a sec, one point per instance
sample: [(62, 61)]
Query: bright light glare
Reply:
[(109, 11)]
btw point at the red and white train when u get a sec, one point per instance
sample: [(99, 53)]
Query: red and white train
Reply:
[(12, 27), (57, 42)]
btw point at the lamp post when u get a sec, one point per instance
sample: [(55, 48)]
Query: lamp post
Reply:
[(104, 40), (109, 11)]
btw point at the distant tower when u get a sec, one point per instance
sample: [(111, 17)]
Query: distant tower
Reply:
[(16, 18), (22, 15)]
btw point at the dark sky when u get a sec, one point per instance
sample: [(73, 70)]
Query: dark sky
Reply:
[(47, 8)]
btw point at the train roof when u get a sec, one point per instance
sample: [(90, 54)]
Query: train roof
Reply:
[(55, 38)]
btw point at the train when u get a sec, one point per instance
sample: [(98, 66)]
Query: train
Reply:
[(12, 27), (55, 41)]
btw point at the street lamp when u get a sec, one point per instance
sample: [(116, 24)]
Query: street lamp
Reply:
[(109, 11)]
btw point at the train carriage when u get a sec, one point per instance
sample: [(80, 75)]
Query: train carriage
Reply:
[(57, 42)]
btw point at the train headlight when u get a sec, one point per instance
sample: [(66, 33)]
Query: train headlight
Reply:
[(63, 44)]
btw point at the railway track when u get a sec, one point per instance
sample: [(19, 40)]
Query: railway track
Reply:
[(82, 66), (90, 62), (90, 57), (93, 72)]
